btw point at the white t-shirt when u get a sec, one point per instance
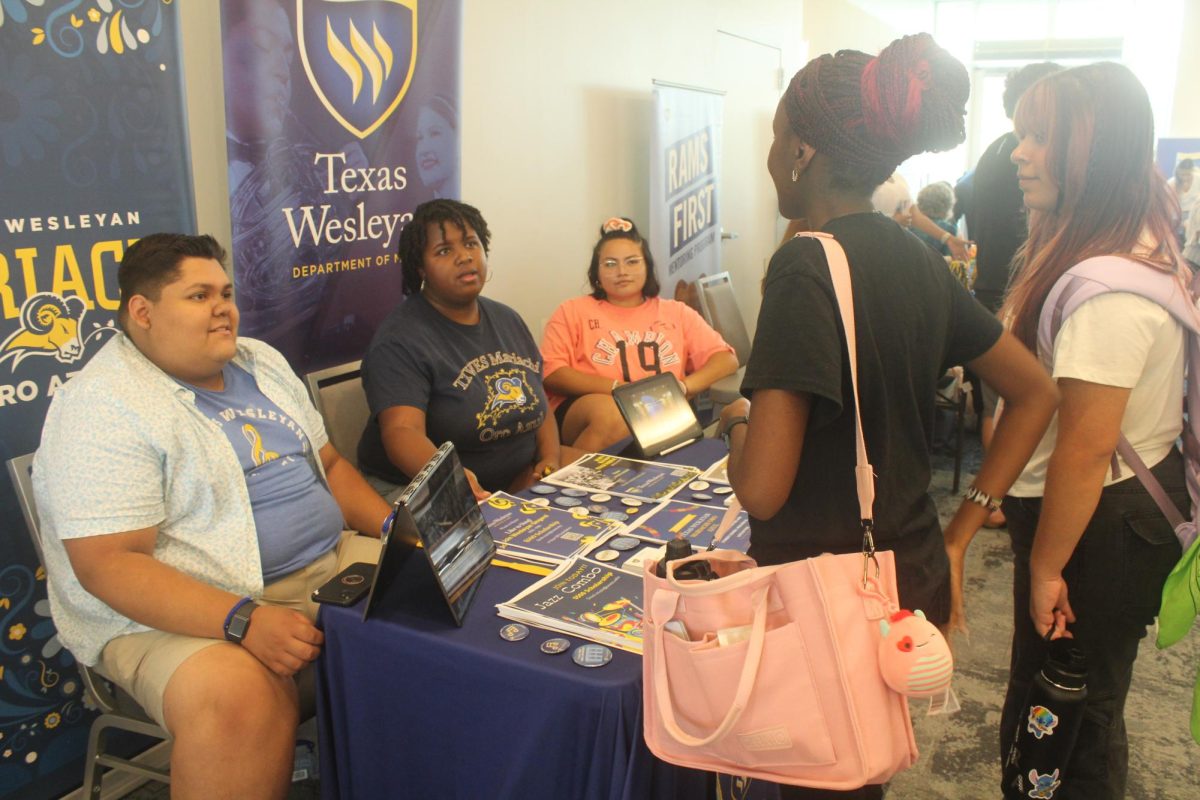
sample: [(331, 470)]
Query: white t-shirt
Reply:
[(1120, 339)]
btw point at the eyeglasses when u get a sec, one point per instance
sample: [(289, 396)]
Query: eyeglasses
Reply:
[(633, 262)]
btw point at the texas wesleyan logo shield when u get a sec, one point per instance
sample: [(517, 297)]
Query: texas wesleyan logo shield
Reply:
[(359, 55)]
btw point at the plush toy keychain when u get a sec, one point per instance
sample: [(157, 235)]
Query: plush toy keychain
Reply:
[(913, 655)]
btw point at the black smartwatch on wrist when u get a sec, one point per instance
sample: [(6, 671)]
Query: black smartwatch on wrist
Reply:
[(733, 423), (239, 621)]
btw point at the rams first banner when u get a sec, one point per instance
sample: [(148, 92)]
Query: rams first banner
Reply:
[(341, 117), (685, 179), (92, 157)]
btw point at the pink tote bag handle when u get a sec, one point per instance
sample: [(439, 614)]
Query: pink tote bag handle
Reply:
[(665, 602)]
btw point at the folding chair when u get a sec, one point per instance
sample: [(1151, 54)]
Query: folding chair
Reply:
[(720, 309), (118, 709), (338, 394)]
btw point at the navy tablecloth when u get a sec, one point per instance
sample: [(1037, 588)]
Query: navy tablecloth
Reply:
[(414, 708)]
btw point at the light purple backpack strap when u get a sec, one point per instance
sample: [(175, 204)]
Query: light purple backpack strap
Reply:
[(1102, 274)]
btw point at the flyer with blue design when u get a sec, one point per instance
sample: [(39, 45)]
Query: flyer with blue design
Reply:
[(540, 534)]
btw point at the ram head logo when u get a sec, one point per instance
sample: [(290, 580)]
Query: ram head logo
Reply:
[(50, 326)]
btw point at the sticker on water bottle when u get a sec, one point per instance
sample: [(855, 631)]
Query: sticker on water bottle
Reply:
[(1043, 785), (1042, 721)]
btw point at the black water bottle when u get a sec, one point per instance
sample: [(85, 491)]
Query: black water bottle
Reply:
[(1049, 724), (680, 547)]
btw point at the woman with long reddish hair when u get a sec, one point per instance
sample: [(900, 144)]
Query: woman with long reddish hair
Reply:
[(1079, 519)]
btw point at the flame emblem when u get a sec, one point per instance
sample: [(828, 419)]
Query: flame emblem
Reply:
[(359, 55)]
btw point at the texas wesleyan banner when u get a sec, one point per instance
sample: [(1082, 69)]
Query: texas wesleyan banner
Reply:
[(342, 116), (92, 157), (685, 180)]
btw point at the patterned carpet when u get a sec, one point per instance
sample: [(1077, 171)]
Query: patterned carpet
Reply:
[(959, 754)]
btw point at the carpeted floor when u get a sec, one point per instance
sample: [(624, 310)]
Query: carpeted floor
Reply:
[(959, 753)]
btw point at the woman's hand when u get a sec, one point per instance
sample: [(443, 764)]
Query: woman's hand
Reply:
[(958, 609), (479, 492), (960, 249), (544, 467), (1049, 605), (738, 408)]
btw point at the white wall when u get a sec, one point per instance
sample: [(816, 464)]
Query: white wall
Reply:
[(1185, 114)]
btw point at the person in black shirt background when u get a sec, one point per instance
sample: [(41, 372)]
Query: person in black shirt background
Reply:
[(995, 215)]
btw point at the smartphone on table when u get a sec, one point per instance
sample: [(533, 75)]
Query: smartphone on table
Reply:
[(345, 588)]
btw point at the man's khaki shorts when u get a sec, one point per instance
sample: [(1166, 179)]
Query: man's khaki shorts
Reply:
[(143, 663)]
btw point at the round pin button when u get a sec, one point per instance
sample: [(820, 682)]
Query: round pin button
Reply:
[(542, 488), (624, 543), (591, 655), (513, 632), (555, 646), (600, 497), (701, 496), (631, 511), (632, 501), (579, 512), (540, 501), (574, 492), (568, 502), (596, 508), (606, 555), (698, 486), (616, 516), (722, 490), (729, 500)]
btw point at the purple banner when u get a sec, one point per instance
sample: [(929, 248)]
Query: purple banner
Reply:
[(93, 156), (341, 117)]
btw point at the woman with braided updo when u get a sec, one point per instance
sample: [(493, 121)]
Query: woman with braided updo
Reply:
[(845, 123)]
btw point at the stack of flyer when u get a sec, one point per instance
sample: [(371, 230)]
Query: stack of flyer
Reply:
[(542, 535), (584, 598), (643, 480)]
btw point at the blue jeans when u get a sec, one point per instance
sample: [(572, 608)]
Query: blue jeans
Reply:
[(1115, 579)]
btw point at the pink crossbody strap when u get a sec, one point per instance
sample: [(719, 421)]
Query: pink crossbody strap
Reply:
[(664, 608), (839, 272), (864, 474)]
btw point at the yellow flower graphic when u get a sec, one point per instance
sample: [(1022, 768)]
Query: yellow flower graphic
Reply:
[(52, 719), (16, 632)]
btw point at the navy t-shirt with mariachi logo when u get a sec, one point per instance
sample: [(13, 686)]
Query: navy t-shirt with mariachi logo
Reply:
[(479, 385)]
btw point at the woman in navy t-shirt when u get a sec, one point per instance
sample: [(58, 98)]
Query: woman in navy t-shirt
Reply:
[(449, 365)]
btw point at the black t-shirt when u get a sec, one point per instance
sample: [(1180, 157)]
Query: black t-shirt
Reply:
[(480, 387), (913, 322), (996, 219)]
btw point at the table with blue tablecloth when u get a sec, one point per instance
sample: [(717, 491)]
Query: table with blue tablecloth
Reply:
[(417, 708)]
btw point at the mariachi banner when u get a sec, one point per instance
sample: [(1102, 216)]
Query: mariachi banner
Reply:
[(685, 181), (92, 157), (341, 117)]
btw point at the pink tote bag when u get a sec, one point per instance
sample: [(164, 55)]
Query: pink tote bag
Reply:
[(772, 672)]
